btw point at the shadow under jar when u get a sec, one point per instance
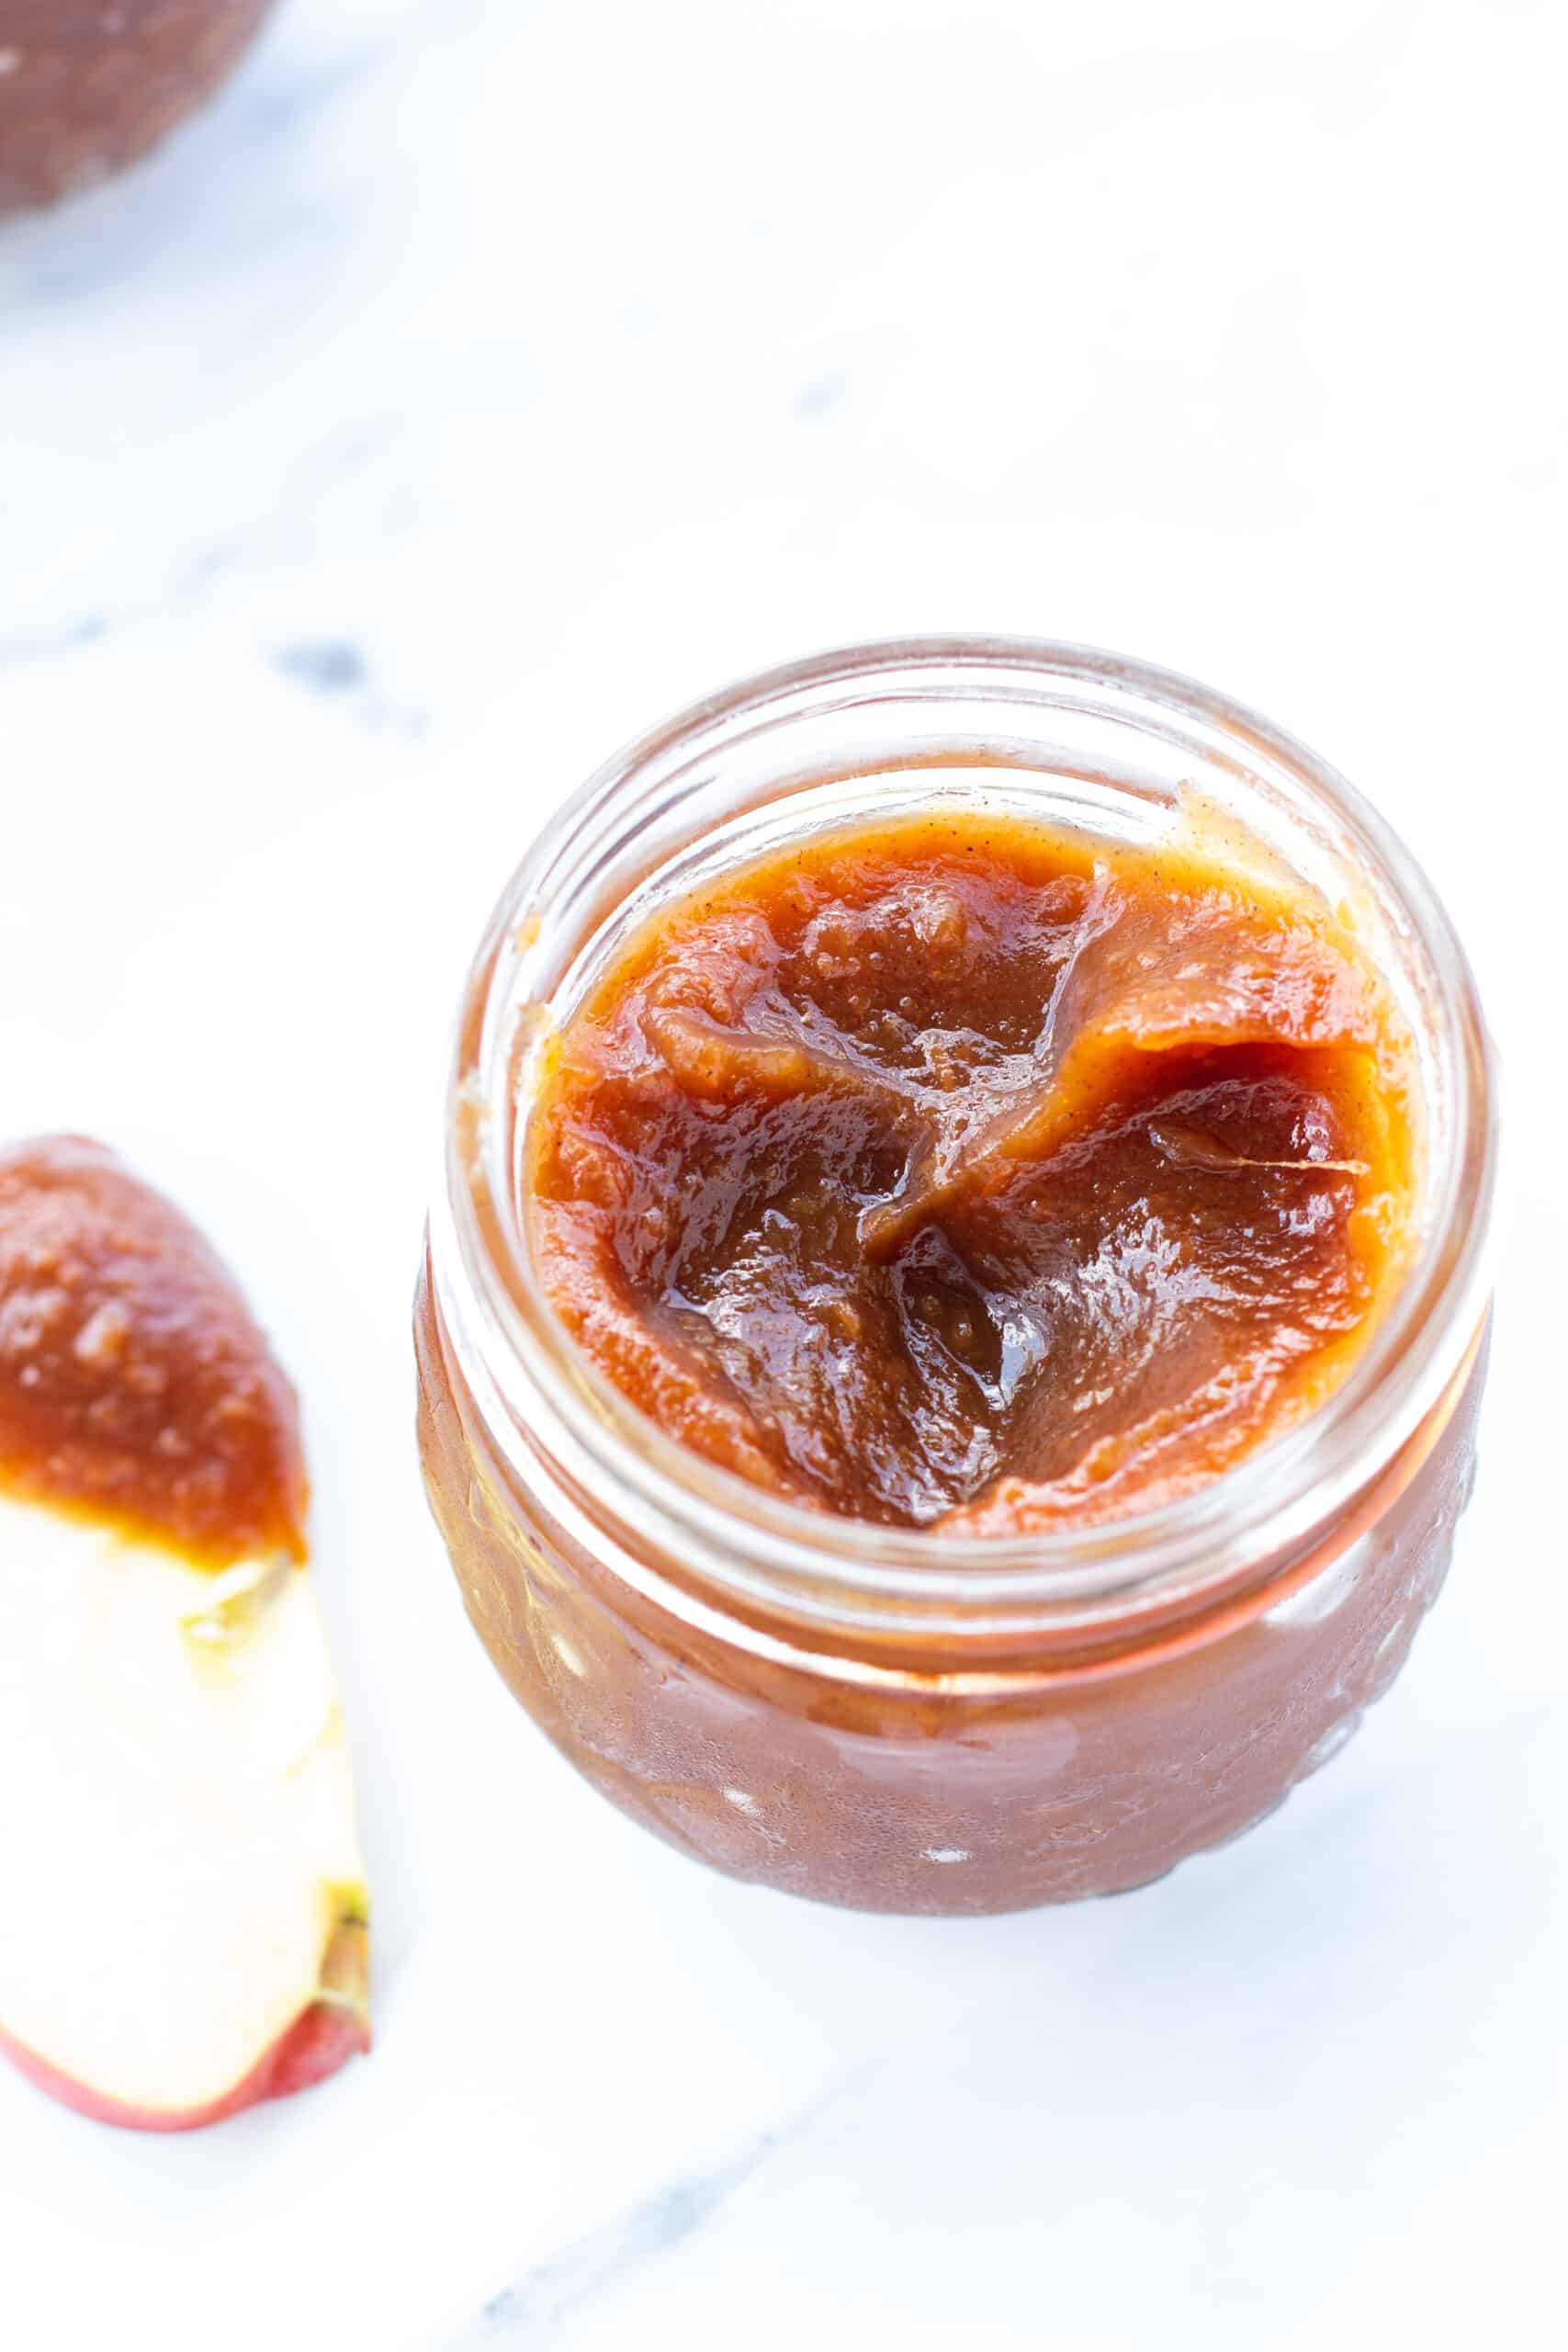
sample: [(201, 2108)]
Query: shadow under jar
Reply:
[(893, 1717)]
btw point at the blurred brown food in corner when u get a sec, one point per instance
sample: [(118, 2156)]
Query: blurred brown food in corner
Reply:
[(85, 87)]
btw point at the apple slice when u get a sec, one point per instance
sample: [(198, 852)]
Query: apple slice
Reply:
[(186, 1913)]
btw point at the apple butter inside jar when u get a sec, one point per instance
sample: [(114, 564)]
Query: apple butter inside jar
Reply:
[(959, 1175), (890, 1361)]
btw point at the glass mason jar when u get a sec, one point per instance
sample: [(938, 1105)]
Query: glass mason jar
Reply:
[(888, 1717)]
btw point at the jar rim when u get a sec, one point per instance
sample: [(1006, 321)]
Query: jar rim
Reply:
[(767, 1554)]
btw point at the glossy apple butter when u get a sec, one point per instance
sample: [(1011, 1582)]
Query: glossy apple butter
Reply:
[(134, 1383), (963, 1175), (950, 1344)]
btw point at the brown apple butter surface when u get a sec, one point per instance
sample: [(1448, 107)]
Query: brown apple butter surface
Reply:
[(85, 88), (961, 1172), (134, 1383)]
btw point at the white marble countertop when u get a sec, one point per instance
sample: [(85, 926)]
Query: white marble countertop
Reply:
[(475, 382)]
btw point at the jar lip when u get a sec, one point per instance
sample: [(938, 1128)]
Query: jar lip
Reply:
[(772, 1552)]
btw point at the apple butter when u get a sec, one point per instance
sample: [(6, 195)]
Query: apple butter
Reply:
[(963, 1175), (85, 88), (949, 1346), (134, 1383)]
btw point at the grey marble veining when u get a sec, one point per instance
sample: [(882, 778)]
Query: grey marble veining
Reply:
[(607, 2261)]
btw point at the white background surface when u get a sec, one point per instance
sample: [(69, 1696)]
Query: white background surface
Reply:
[(474, 383)]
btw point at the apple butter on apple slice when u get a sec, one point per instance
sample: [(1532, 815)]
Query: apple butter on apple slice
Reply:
[(186, 1916)]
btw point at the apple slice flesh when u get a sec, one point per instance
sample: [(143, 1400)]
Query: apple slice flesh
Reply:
[(184, 1896)]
